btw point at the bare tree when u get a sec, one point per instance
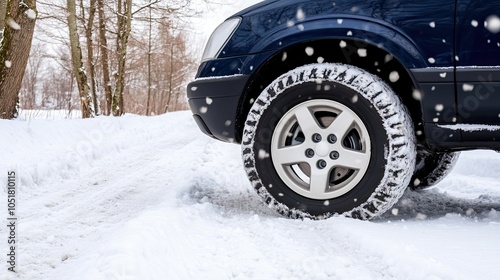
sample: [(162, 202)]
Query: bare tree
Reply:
[(88, 24), (31, 76), (77, 62), (104, 57), (150, 49), (58, 84), (124, 10), (134, 53), (14, 52)]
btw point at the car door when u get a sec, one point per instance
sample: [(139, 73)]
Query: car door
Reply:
[(477, 55)]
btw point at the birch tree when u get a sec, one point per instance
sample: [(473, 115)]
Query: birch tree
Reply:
[(14, 52), (124, 11), (77, 62), (88, 24)]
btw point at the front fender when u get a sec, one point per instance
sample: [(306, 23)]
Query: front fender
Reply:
[(366, 30)]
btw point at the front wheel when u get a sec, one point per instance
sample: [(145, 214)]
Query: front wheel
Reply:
[(329, 139)]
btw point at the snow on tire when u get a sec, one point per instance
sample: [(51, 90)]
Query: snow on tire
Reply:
[(328, 139), (431, 168)]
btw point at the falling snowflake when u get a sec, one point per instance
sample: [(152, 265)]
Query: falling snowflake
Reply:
[(417, 95), (355, 99), (362, 52), (468, 87), (300, 15), (395, 211), (309, 51), (263, 154), (394, 76), (492, 23)]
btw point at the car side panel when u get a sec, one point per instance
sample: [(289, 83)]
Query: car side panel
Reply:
[(478, 71), (477, 44)]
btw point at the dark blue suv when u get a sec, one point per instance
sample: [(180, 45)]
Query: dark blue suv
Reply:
[(341, 105)]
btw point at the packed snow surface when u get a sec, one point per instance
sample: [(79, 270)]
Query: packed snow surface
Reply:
[(153, 198)]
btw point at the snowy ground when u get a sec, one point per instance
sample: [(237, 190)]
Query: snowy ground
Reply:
[(153, 198)]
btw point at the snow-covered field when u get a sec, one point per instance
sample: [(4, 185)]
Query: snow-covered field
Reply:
[(153, 198)]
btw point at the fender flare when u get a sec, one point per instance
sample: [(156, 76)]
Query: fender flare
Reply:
[(363, 29)]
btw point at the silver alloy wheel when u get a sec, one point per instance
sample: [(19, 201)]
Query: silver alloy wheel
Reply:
[(321, 149)]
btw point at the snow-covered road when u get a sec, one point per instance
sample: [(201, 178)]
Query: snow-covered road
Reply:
[(153, 198)]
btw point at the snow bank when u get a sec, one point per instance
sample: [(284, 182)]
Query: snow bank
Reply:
[(46, 150)]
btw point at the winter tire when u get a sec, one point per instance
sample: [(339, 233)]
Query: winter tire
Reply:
[(327, 139), (431, 168)]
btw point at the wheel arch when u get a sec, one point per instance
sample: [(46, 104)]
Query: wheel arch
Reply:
[(378, 61), (359, 28)]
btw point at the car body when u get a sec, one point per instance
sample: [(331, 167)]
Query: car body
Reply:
[(441, 58)]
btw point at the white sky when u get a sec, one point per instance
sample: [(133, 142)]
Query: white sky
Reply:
[(213, 15)]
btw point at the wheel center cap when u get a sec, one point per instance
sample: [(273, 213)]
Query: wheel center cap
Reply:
[(322, 149)]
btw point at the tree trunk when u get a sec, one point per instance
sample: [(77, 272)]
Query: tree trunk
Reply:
[(90, 55), (124, 28), (3, 7), (104, 57), (170, 76), (149, 60), (77, 62), (14, 52)]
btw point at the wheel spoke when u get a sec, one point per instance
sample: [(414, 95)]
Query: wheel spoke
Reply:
[(353, 159), (306, 166), (319, 181), (307, 121), (289, 155), (342, 124)]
